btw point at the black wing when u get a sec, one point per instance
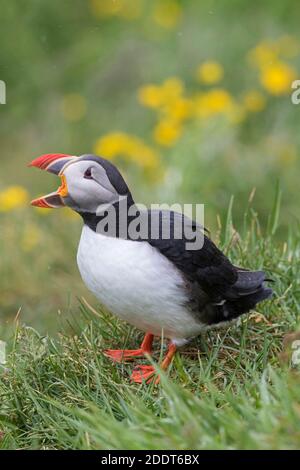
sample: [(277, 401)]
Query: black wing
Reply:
[(219, 290), (207, 266)]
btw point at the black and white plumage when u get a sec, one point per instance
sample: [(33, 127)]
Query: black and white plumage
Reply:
[(155, 284)]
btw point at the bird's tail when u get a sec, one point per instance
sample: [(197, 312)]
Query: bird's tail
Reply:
[(248, 291)]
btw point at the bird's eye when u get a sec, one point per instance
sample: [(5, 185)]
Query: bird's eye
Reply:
[(88, 174)]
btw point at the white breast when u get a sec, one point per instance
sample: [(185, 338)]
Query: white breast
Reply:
[(137, 283)]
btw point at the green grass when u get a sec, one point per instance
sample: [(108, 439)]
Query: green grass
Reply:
[(229, 389)]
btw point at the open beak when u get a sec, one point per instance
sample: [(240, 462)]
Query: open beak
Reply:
[(54, 163)]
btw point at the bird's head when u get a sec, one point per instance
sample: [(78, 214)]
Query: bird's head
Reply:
[(88, 183)]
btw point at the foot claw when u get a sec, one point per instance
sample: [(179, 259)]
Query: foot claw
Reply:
[(121, 355), (144, 373)]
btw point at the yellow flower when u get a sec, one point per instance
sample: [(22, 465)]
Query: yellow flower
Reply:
[(172, 88), (209, 72), (127, 9), (263, 54), (155, 96), (12, 198), (150, 95), (167, 13), (31, 237), (112, 144), (167, 132), (180, 109), (277, 78), (268, 52), (213, 102), (73, 107), (131, 148), (254, 101)]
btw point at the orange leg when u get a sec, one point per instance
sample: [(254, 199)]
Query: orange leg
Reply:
[(120, 355), (144, 373)]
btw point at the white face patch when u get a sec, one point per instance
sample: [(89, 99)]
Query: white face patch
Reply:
[(88, 194)]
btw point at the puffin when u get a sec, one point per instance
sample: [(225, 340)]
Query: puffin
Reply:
[(156, 280)]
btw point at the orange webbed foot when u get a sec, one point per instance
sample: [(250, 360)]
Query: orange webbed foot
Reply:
[(121, 355), (147, 373), (143, 373)]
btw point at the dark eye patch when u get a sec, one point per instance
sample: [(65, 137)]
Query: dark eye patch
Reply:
[(88, 174)]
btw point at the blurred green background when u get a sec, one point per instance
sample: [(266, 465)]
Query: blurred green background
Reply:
[(192, 100)]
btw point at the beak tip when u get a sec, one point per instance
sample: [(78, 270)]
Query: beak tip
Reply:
[(40, 202)]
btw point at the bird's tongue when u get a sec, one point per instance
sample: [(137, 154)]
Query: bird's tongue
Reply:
[(53, 200)]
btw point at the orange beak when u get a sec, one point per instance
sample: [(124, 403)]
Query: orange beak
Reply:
[(54, 163)]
